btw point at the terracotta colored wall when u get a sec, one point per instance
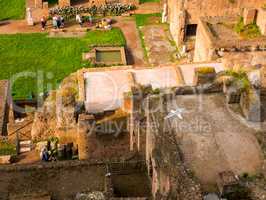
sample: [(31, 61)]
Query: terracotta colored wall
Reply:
[(261, 20), (199, 8)]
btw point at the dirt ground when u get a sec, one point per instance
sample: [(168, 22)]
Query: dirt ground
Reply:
[(148, 8), (29, 157), (132, 185), (135, 54), (60, 183)]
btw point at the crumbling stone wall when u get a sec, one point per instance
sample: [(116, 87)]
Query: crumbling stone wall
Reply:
[(103, 140), (201, 8), (169, 176), (137, 121), (58, 112)]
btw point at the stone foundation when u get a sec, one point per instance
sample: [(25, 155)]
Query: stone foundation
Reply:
[(194, 9)]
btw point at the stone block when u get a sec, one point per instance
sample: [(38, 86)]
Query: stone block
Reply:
[(249, 15), (250, 104), (5, 159), (204, 75), (261, 20), (89, 56)]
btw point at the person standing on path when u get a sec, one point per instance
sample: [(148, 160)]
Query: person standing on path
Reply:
[(79, 20), (43, 23), (55, 22), (58, 21)]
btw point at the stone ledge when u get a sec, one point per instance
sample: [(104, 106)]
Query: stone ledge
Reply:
[(5, 159), (60, 164)]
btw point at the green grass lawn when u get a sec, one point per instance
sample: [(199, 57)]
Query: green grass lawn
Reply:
[(51, 58), (12, 9), (147, 19)]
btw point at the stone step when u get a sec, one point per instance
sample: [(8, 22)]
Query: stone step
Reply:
[(25, 146), (24, 149), (25, 142)]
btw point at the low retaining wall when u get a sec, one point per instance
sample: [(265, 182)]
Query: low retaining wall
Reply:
[(61, 180)]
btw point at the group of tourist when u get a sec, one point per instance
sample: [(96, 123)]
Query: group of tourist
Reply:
[(49, 151), (80, 20), (58, 22)]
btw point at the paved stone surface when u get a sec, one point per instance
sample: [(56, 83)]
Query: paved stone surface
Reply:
[(104, 89), (160, 77), (210, 147), (158, 45), (17, 26)]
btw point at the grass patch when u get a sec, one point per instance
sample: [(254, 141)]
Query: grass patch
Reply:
[(49, 59), (7, 149), (12, 9), (147, 1), (148, 19), (249, 31), (101, 38)]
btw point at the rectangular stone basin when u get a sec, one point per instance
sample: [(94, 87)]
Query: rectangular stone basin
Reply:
[(110, 55)]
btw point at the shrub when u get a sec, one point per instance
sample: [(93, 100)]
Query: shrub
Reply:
[(108, 9), (239, 27), (7, 149), (236, 78), (252, 31), (205, 70), (247, 31)]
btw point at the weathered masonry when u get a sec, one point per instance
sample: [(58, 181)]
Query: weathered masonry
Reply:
[(183, 15)]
